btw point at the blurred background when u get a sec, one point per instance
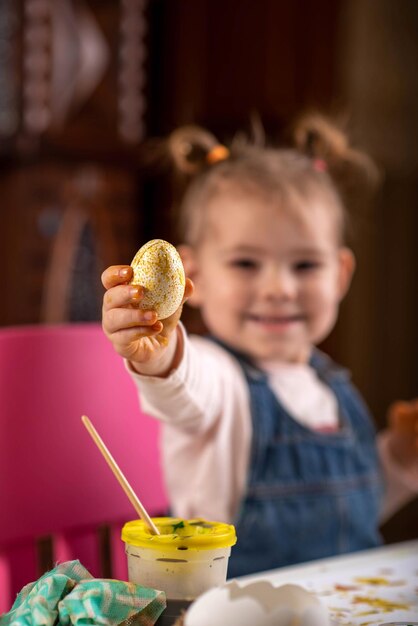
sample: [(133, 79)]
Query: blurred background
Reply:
[(85, 83)]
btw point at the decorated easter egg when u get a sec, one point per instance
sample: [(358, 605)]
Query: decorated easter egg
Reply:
[(157, 266)]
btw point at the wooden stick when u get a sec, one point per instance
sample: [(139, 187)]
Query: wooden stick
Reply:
[(136, 503)]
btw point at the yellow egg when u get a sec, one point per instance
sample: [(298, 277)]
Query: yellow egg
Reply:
[(157, 266)]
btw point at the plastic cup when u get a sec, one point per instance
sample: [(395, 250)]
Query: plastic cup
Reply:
[(186, 559)]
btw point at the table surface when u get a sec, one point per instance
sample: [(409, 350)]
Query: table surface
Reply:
[(373, 587)]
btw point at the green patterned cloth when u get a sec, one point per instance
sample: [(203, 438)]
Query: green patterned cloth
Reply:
[(69, 595)]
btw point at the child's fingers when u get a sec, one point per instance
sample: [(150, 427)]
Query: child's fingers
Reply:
[(127, 336), (116, 275), (122, 295), (117, 319)]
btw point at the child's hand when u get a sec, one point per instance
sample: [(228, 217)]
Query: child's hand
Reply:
[(403, 432), (135, 333)]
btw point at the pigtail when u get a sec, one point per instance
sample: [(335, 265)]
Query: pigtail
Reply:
[(188, 149), (329, 148), (193, 149)]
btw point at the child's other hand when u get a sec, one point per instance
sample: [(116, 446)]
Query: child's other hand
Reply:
[(403, 432), (134, 332)]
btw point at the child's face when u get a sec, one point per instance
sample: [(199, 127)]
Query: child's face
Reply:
[(268, 282)]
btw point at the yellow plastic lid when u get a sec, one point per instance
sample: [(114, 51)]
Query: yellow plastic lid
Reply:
[(180, 534)]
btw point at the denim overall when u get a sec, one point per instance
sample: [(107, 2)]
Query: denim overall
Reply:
[(309, 494)]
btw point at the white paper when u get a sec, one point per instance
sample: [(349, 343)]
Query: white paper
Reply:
[(365, 589)]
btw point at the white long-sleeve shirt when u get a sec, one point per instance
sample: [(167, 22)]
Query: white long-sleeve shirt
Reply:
[(204, 405)]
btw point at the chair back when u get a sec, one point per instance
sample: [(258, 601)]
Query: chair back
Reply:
[(58, 496)]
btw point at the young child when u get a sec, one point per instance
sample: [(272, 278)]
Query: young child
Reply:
[(260, 428)]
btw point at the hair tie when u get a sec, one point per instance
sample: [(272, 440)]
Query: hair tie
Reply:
[(320, 165), (217, 153)]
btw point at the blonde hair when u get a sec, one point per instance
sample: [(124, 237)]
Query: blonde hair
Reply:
[(315, 168)]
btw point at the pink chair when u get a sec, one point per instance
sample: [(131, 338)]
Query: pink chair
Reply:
[(54, 483)]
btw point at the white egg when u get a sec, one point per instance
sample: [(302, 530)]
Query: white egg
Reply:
[(157, 266)]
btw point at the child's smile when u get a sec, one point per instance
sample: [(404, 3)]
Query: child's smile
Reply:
[(275, 323)]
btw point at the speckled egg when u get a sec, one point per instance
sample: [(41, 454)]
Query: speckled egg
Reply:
[(157, 266)]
